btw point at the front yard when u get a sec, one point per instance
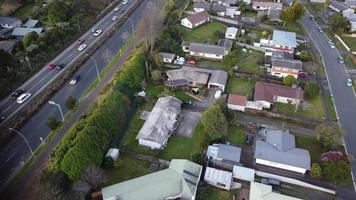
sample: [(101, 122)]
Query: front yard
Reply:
[(312, 144), (207, 33), (241, 85), (350, 42)]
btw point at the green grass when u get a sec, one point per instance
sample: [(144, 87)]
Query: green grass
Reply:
[(208, 33), (183, 96), (25, 11), (350, 61), (153, 90), (316, 111), (241, 86), (295, 27), (350, 42), (311, 144), (314, 8), (218, 194), (236, 135), (331, 108), (354, 84), (126, 168), (249, 14)]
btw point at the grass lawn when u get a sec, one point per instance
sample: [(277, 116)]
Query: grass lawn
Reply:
[(354, 84), (295, 27), (350, 42), (126, 168), (183, 96), (153, 90), (332, 108), (241, 85), (217, 194), (208, 33), (25, 11), (316, 110), (236, 135), (249, 14), (311, 144)]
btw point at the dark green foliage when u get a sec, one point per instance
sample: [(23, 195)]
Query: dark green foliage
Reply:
[(58, 11), (337, 171), (292, 13), (289, 80), (53, 184), (338, 22), (53, 123), (311, 89), (198, 157), (30, 38), (170, 40), (71, 102), (305, 56), (214, 122), (156, 75), (231, 59), (108, 163), (315, 170), (329, 135)]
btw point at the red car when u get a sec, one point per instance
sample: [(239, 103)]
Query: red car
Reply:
[(52, 66), (192, 62), (303, 74)]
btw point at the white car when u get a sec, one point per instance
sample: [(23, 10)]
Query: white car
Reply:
[(114, 18), (125, 2), (349, 82), (217, 94), (97, 32), (81, 47), (23, 97), (116, 9)]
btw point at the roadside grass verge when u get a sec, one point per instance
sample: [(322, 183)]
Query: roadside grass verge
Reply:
[(332, 108)]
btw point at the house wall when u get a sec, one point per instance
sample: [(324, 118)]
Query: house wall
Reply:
[(265, 104), (167, 60), (206, 55), (185, 22), (199, 9), (286, 100), (150, 144), (236, 107), (283, 48), (284, 71), (281, 166), (216, 184), (212, 85)]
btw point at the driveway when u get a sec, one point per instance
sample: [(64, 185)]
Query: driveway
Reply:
[(189, 122)]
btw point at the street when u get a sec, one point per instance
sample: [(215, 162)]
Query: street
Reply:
[(15, 153), (343, 96)]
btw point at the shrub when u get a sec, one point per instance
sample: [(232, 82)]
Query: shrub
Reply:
[(289, 80), (315, 170), (53, 123), (336, 171), (198, 157), (311, 90), (214, 122), (70, 103), (156, 75)]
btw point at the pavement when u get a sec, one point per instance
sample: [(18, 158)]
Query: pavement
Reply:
[(15, 153), (343, 96), (189, 122)]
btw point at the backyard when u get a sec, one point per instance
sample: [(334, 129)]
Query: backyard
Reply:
[(312, 144), (208, 33), (207, 192), (350, 42), (153, 90), (241, 85)]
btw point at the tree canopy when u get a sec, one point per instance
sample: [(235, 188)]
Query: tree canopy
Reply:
[(214, 122), (58, 11), (289, 80), (328, 134), (338, 22), (292, 13), (30, 38), (311, 89)]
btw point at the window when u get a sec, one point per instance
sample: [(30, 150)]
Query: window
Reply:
[(221, 184)]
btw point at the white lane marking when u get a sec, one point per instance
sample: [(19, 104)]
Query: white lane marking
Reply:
[(10, 156)]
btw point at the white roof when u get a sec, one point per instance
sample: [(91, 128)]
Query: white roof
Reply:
[(231, 31), (243, 173), (259, 191), (218, 176)]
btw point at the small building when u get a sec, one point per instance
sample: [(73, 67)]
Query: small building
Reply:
[(224, 156), (201, 6), (249, 20), (113, 153), (196, 19), (269, 93), (218, 9), (161, 123), (231, 33), (243, 173), (259, 191), (32, 23), (237, 102), (273, 15), (20, 32), (168, 57), (213, 52), (284, 41), (218, 178), (266, 5), (284, 67), (278, 150), (179, 181), (10, 22)]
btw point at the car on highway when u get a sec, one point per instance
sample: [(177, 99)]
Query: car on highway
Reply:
[(124, 2), (341, 60), (59, 67), (80, 41), (17, 93), (116, 9), (349, 82), (74, 80), (93, 29), (2, 118), (332, 45), (24, 97), (320, 30), (114, 18), (97, 32), (81, 47), (52, 66)]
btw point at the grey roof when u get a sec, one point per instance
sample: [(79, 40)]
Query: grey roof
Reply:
[(219, 76), (180, 179), (218, 8), (162, 120), (293, 64), (249, 20), (176, 83), (279, 147), (31, 23), (226, 43), (350, 2), (282, 55), (19, 31), (203, 5), (338, 5), (284, 38), (168, 55), (4, 31), (229, 152), (206, 48), (273, 14), (8, 20)]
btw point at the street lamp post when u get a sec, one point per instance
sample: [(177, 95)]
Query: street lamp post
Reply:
[(28, 61), (78, 21), (20, 134), (96, 66), (59, 107)]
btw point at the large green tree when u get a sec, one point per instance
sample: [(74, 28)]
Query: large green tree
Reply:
[(30, 38), (292, 13), (338, 22), (214, 122), (58, 11), (311, 89), (328, 134), (289, 80), (337, 171)]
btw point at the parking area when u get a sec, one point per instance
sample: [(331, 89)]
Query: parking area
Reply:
[(189, 121)]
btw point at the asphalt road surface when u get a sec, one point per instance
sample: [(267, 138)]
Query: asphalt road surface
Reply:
[(8, 106), (15, 153), (343, 95)]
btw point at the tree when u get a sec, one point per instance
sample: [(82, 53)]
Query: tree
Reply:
[(214, 122), (30, 38), (53, 123), (156, 75), (292, 13), (336, 171), (71, 102), (315, 170), (289, 80), (338, 22), (58, 11), (81, 188), (328, 134), (93, 176), (53, 184), (158, 59), (198, 157), (305, 56), (311, 89)]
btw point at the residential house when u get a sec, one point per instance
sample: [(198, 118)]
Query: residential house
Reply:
[(20, 32), (197, 77), (196, 19), (266, 5), (224, 156), (213, 52), (269, 93), (160, 124), (276, 54), (201, 6), (249, 20), (259, 191), (5, 33), (317, 1), (218, 9), (243, 173), (350, 3), (32, 23), (179, 181), (237, 102), (273, 15), (284, 41), (167, 57), (218, 178), (278, 150), (231, 33), (9, 22), (337, 6), (284, 67), (351, 16)]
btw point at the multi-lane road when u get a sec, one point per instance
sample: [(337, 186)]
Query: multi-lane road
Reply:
[(343, 95), (15, 153)]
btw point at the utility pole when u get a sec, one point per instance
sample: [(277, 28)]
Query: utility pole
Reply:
[(20, 134), (59, 107)]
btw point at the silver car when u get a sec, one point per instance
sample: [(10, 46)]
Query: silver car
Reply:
[(24, 97)]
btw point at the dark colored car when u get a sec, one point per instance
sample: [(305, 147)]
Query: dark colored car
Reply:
[(17, 93), (59, 67), (249, 140), (272, 182), (80, 41), (2, 118)]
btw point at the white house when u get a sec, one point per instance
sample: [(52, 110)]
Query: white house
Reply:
[(167, 57), (160, 124), (196, 19), (231, 33), (218, 178), (213, 52), (266, 5)]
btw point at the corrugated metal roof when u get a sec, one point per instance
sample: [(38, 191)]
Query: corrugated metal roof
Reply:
[(284, 38), (31, 23), (20, 31)]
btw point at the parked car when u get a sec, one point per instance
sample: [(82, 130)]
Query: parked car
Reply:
[(271, 182), (82, 47), (192, 62), (116, 9), (52, 66), (249, 140), (17, 93), (320, 30), (349, 82), (217, 94), (2, 118), (97, 32), (124, 2), (341, 60), (93, 29), (114, 18), (74, 80), (303, 74), (24, 97)]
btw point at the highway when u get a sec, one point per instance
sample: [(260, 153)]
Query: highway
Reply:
[(343, 95), (15, 153)]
